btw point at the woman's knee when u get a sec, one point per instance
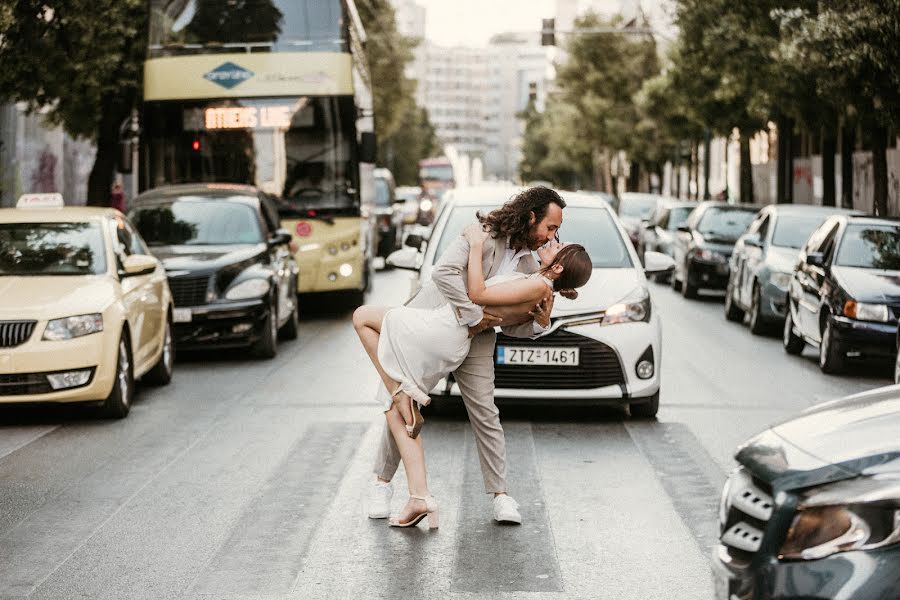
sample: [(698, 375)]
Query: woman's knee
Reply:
[(361, 316)]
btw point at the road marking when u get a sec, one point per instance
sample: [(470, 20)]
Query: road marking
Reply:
[(14, 438), (492, 558)]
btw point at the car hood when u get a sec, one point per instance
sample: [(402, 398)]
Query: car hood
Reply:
[(869, 285), (714, 244), (205, 258), (605, 288), (782, 259), (51, 297), (836, 440)]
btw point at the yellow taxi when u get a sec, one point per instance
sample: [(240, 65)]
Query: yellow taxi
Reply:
[(84, 309)]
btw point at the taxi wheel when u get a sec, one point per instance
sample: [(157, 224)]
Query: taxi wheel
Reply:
[(118, 403), (291, 329), (266, 346), (646, 409), (161, 373)]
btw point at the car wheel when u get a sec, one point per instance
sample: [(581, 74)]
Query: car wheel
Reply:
[(831, 355), (267, 345), (732, 312), (687, 290), (161, 373), (793, 343), (118, 403), (646, 408), (758, 325), (291, 329), (676, 284)]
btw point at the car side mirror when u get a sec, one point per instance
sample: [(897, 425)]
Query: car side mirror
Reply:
[(754, 241), (368, 147), (414, 240), (684, 229), (281, 236), (815, 259), (657, 263), (404, 258), (138, 264)]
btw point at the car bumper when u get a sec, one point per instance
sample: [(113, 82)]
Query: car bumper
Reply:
[(232, 325), (24, 369), (606, 373), (705, 275), (861, 575), (865, 339)]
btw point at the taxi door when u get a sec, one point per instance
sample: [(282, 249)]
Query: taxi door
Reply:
[(142, 296)]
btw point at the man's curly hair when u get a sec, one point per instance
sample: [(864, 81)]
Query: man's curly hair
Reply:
[(512, 219)]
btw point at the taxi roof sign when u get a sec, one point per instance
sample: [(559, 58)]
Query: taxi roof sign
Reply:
[(54, 200)]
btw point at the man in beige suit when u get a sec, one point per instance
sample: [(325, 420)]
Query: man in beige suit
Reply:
[(528, 221)]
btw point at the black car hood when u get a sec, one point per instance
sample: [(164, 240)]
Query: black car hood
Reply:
[(206, 258), (710, 242), (869, 285), (837, 440)]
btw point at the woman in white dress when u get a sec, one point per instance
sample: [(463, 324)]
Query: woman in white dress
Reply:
[(413, 348)]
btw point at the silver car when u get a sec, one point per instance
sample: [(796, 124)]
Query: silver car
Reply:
[(763, 260), (658, 233)]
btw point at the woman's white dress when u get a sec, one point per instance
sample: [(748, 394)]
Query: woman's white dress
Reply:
[(420, 346)]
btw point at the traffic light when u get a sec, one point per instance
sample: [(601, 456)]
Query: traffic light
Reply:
[(548, 32)]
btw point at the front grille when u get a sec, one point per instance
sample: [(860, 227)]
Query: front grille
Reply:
[(749, 507), (21, 384), (189, 291), (598, 365), (13, 333)]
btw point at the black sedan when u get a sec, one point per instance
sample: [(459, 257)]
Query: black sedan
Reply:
[(230, 269), (813, 510), (844, 294), (704, 244)]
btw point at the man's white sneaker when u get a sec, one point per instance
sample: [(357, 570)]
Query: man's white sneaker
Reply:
[(506, 510), (380, 495)]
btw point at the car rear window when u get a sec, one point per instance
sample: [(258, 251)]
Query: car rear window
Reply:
[(792, 232), (593, 228), (52, 249), (870, 247)]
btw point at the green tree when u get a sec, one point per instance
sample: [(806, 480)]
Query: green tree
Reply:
[(80, 59), (402, 151), (552, 150)]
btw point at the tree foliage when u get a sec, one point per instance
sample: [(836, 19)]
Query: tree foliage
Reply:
[(403, 150)]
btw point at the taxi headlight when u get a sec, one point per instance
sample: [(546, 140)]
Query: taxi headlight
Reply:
[(252, 288), (73, 327), (781, 280), (856, 514)]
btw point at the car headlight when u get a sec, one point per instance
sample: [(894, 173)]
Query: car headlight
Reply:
[(426, 205), (709, 256), (73, 327), (633, 309), (856, 514), (867, 312), (252, 288), (781, 280)]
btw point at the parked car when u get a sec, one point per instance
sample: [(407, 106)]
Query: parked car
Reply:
[(232, 274), (610, 335), (658, 232), (388, 213), (844, 295), (84, 309), (704, 244), (764, 258), (409, 196), (813, 510), (634, 209), (608, 198)]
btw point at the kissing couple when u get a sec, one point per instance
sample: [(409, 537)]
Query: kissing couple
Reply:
[(486, 277)]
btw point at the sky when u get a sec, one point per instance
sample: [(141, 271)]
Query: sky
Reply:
[(473, 22)]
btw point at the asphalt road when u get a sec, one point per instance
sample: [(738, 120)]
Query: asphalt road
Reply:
[(246, 479)]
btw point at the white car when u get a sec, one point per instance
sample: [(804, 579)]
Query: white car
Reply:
[(602, 348)]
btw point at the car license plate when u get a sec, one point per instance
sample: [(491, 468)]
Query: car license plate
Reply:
[(182, 315), (560, 357)]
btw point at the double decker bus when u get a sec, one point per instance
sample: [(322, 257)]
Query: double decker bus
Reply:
[(275, 94)]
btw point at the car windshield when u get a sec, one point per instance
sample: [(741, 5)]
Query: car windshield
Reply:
[(640, 207), (197, 222), (593, 228), (52, 249), (724, 224), (792, 232), (870, 247), (678, 216)]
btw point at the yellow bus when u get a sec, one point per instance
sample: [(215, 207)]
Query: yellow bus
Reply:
[(275, 94)]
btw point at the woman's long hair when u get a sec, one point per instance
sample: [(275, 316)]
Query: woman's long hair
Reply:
[(577, 269), (512, 220)]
